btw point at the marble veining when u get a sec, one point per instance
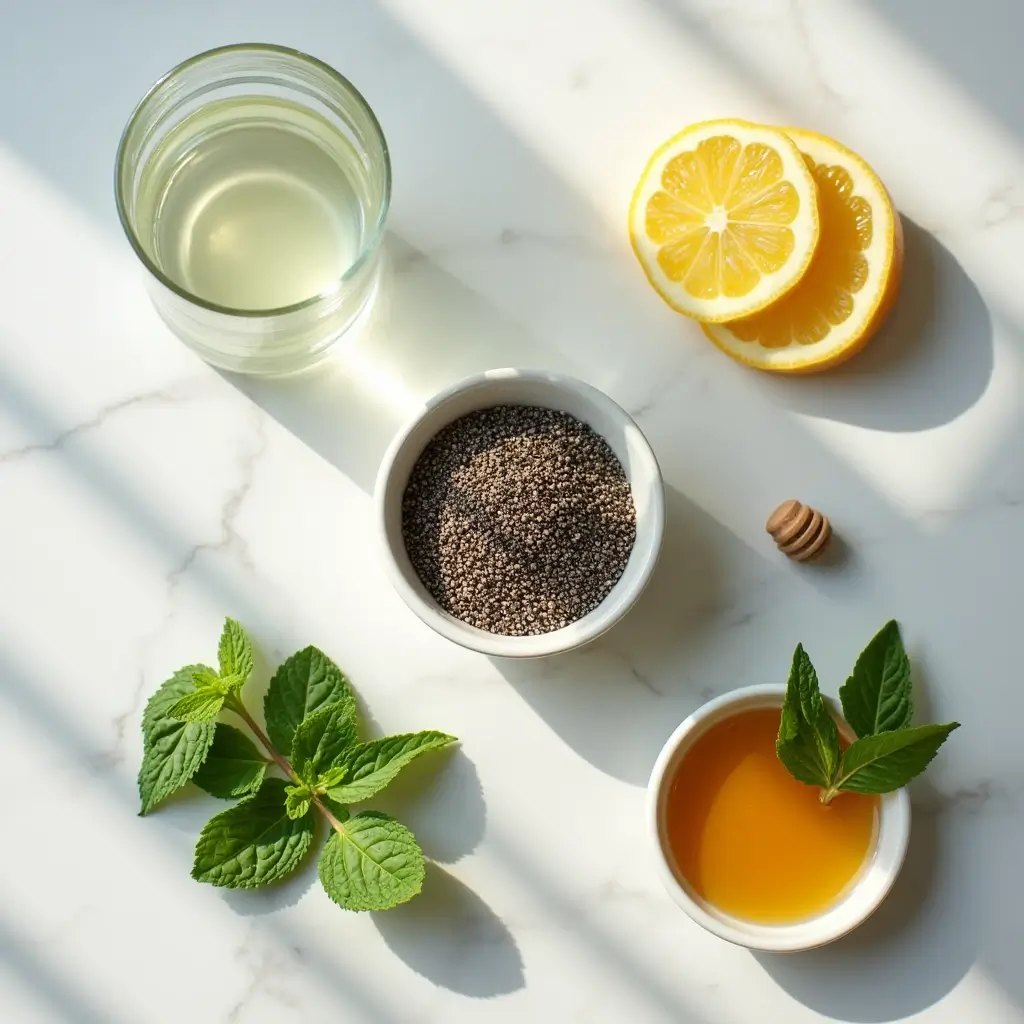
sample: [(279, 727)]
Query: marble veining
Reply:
[(65, 436)]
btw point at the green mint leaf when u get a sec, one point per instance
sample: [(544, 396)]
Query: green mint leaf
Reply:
[(888, 761), (172, 750), (322, 740), (230, 685), (233, 767), (796, 753), (204, 678), (297, 808), (297, 801), (198, 706), (253, 843), (207, 681), (305, 682), (235, 652), (374, 863), (808, 740), (182, 682), (331, 777), (372, 766), (876, 698)]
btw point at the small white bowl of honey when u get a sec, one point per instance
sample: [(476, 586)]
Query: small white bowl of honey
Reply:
[(750, 853)]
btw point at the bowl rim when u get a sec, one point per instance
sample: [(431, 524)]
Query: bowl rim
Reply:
[(577, 633), (861, 899)]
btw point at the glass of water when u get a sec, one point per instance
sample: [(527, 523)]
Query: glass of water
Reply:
[(253, 182)]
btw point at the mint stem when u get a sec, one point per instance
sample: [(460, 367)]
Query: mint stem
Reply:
[(234, 703), (334, 823), (828, 795)]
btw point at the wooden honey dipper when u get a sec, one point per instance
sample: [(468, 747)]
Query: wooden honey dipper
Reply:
[(801, 532)]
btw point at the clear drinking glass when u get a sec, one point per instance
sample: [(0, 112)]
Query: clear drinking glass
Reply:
[(253, 182)]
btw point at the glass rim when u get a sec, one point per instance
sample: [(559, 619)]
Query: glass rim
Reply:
[(370, 244)]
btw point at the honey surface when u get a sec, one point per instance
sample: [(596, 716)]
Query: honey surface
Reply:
[(753, 841)]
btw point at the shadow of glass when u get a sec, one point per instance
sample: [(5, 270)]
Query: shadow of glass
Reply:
[(930, 362), (426, 331), (914, 950), (639, 671), (453, 939)]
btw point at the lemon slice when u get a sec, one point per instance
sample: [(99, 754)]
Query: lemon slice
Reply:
[(853, 279), (724, 219)]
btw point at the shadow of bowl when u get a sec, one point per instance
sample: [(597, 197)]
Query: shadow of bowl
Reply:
[(426, 330), (911, 953), (638, 673)]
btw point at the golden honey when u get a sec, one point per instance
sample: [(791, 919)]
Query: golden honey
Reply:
[(751, 840)]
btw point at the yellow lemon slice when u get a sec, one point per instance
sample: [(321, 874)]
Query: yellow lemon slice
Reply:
[(724, 219), (853, 279)]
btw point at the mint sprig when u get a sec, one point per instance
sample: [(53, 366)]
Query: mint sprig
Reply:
[(878, 704), (212, 689), (370, 861)]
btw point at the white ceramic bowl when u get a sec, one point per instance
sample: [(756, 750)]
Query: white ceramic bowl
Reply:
[(552, 391), (863, 896)]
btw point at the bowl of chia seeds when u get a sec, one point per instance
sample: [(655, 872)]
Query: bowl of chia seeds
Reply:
[(520, 513)]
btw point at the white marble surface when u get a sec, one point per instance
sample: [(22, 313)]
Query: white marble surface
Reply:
[(143, 497)]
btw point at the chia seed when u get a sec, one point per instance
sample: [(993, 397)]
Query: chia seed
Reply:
[(518, 519)]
